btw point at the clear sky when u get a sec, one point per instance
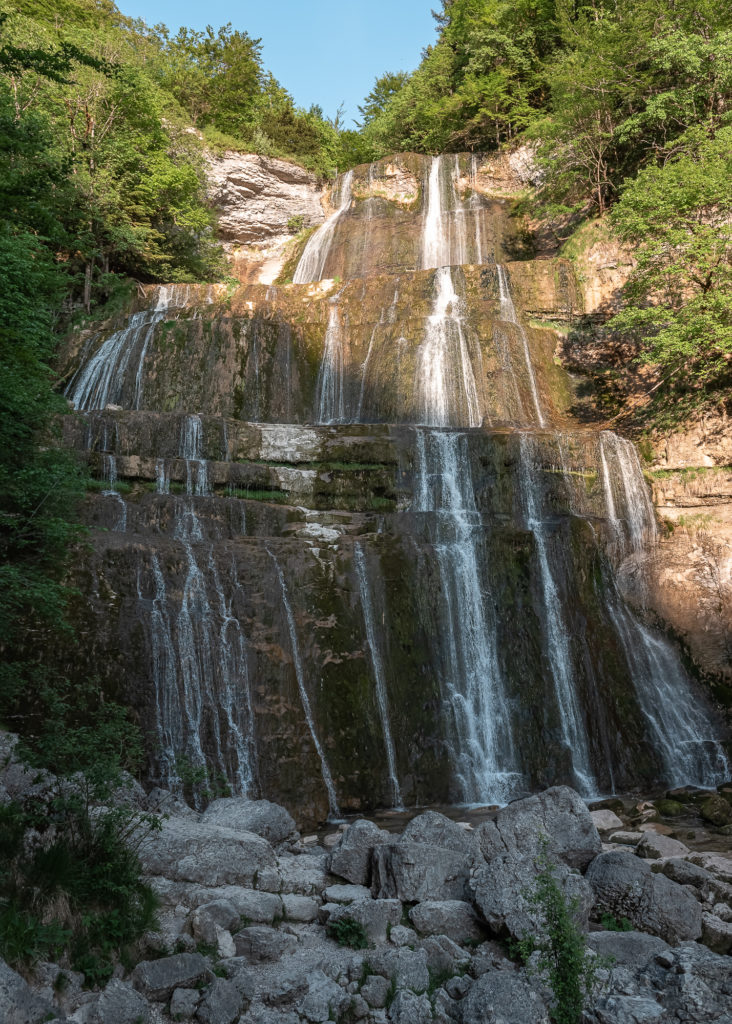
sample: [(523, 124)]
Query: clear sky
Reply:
[(322, 51)]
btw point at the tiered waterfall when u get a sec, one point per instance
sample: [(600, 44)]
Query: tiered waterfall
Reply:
[(348, 548)]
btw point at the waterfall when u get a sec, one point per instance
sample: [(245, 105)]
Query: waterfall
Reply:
[(624, 486), (387, 317), (446, 387), (508, 313), (162, 477), (100, 380), (330, 398), (574, 733), (475, 206), (191, 449), (168, 710), (305, 700), (379, 673), (476, 702), (312, 262), (679, 726)]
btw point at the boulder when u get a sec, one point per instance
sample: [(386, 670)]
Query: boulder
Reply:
[(304, 875), (375, 916), (606, 820), (221, 912), (433, 829), (714, 863), (189, 851), (325, 999), (289, 984), (654, 847), (375, 990), (443, 955), (346, 893), (453, 918), (400, 935), (260, 944), (405, 968), (502, 886), (19, 1004), (351, 858), (221, 1003), (157, 979), (716, 933), (625, 886), (256, 906), (502, 997), (263, 818), (626, 838), (630, 949), (183, 1003), (716, 810), (119, 1003), (557, 816), (408, 1008), (300, 908), (414, 871)]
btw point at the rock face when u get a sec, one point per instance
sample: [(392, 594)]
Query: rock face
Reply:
[(189, 852), (263, 818), (257, 198)]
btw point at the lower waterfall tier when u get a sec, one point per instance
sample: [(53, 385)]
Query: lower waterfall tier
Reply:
[(340, 618)]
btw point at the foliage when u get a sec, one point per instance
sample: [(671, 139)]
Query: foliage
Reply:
[(347, 932), (563, 958), (611, 924), (678, 218)]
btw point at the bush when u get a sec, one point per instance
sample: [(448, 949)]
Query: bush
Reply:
[(347, 932)]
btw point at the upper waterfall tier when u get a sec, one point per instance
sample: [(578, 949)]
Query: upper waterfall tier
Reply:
[(440, 347), (409, 212)]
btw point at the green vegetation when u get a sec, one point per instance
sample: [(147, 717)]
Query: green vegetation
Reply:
[(612, 924), (347, 932), (564, 961)]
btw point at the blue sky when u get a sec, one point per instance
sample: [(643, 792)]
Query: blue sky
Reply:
[(322, 51)]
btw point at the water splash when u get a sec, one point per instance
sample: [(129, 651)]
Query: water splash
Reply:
[(304, 698), (508, 313), (477, 705), (379, 673), (312, 262), (574, 732), (624, 487)]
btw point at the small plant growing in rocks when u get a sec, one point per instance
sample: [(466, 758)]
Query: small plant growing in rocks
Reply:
[(347, 932), (564, 961)]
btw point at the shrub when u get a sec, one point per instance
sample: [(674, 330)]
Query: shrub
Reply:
[(296, 224), (347, 932)]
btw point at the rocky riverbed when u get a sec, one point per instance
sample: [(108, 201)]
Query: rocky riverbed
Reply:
[(252, 913)]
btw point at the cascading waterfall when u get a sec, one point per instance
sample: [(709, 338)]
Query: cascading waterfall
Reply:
[(385, 318), (379, 672), (330, 398), (681, 730), (574, 732), (475, 207), (191, 449), (508, 313), (304, 698), (312, 262), (444, 232), (445, 386), (476, 702), (624, 486)]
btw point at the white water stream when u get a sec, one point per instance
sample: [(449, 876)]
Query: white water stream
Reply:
[(312, 262)]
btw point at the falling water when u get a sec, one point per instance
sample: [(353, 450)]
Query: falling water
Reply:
[(312, 262), (478, 706), (168, 710), (379, 673), (387, 317), (162, 477), (445, 385), (475, 206), (191, 449), (680, 727), (508, 313), (330, 392), (100, 380), (625, 487), (299, 675), (574, 733)]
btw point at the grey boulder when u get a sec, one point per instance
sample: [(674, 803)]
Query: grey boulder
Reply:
[(18, 1003), (374, 916), (408, 1008), (454, 918), (351, 858), (119, 1003), (654, 847), (183, 1003), (325, 1000), (260, 944), (263, 818), (188, 851), (625, 886), (413, 872), (221, 1004), (406, 968), (157, 979), (631, 949), (502, 997)]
